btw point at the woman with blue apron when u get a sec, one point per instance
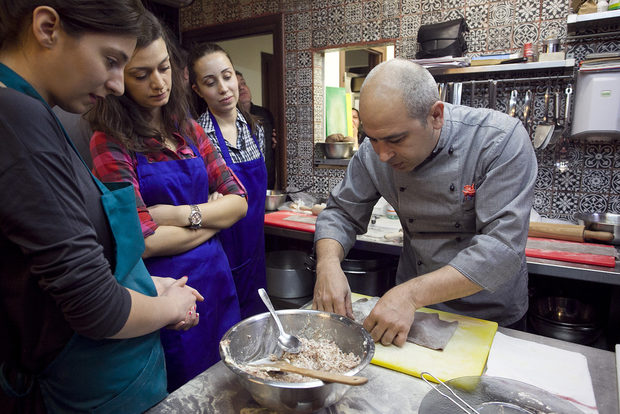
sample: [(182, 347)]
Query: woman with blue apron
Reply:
[(244, 242), (109, 375), (184, 182)]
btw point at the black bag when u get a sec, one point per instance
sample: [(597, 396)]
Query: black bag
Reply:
[(442, 39)]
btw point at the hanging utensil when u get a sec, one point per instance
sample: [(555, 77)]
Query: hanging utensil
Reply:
[(492, 94), (557, 131), (512, 104), (526, 111), (562, 164), (457, 90), (545, 128), (442, 91)]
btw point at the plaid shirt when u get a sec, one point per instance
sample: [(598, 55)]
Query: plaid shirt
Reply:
[(245, 148), (113, 163)]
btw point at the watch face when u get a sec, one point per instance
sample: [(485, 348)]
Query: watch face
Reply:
[(195, 217)]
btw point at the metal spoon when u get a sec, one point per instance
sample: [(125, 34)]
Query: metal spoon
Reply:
[(288, 343)]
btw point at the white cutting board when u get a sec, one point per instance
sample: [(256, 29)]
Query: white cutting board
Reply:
[(466, 353)]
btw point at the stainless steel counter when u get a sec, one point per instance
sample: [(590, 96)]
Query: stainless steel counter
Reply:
[(217, 391), (536, 266)]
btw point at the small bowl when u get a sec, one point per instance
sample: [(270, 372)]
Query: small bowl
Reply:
[(338, 149), (274, 199), (256, 338)]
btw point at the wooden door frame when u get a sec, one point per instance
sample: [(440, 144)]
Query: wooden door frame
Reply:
[(271, 24)]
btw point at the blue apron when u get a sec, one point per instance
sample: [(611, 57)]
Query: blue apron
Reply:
[(109, 375), (244, 242), (188, 353)]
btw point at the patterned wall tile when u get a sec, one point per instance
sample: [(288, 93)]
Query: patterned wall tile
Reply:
[(411, 6), (599, 156), (390, 8), (371, 31), (554, 9), (372, 10), (527, 11), (353, 13), (409, 26), (500, 38), (429, 6), (501, 14), (591, 203), (476, 16), (596, 181), (391, 29), (525, 33)]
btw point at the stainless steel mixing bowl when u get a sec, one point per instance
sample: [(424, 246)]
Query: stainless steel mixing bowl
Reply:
[(255, 338), (274, 199)]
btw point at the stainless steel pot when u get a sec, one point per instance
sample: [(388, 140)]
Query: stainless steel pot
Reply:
[(274, 199), (338, 149), (367, 273), (608, 222), (287, 275)]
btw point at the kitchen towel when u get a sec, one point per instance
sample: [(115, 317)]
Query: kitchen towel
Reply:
[(563, 373)]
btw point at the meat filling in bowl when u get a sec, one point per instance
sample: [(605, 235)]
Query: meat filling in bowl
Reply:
[(321, 355)]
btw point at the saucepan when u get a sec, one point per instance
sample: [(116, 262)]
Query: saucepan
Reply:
[(608, 222)]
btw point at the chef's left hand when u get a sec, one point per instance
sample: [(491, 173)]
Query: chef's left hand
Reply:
[(391, 318), (192, 317)]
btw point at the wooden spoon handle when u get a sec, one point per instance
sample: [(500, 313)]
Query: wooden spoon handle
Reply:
[(322, 375)]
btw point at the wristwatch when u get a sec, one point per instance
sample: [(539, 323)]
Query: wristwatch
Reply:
[(195, 217)]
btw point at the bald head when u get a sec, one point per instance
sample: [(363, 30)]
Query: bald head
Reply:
[(399, 79)]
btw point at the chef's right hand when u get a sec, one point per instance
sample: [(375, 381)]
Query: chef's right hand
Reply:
[(331, 290)]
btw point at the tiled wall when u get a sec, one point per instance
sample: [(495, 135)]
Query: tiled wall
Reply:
[(592, 183)]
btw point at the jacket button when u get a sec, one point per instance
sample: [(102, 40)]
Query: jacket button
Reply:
[(411, 220), (457, 225), (452, 187), (450, 150), (458, 239), (419, 262), (401, 189)]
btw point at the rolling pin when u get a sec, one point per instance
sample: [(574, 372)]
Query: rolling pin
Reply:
[(570, 232)]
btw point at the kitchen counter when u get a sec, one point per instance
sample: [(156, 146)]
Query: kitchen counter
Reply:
[(543, 267), (217, 391)]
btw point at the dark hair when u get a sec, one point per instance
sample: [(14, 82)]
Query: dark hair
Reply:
[(121, 117), (197, 52), (76, 17)]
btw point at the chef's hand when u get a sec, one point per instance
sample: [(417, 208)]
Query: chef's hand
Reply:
[(184, 296), (331, 290), (391, 318)]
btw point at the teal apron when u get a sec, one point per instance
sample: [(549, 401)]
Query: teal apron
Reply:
[(109, 375)]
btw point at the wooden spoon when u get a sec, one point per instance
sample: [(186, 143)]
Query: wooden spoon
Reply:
[(312, 373)]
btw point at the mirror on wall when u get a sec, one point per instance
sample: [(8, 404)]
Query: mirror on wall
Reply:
[(344, 71)]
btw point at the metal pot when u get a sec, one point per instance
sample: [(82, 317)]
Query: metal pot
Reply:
[(338, 149), (367, 273), (287, 275), (274, 199), (566, 318), (608, 222)]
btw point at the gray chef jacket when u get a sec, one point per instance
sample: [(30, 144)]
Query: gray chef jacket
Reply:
[(483, 236)]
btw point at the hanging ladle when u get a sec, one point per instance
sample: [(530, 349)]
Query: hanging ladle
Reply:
[(288, 343)]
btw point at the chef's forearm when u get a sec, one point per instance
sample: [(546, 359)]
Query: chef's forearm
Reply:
[(329, 251), (441, 285)]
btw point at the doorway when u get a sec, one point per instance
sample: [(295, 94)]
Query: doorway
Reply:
[(271, 80)]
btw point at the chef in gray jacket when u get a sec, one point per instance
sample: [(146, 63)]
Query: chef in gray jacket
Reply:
[(461, 181)]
